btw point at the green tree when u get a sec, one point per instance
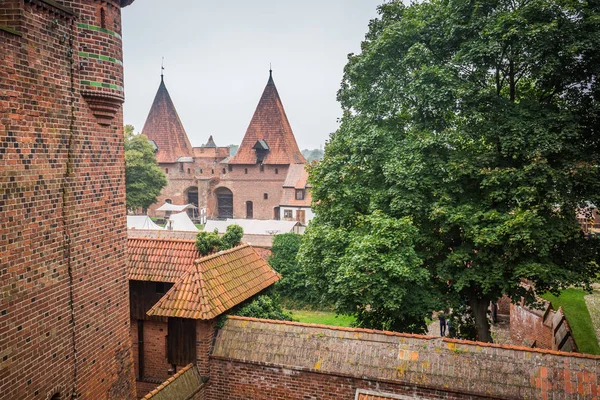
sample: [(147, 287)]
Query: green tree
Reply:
[(209, 242), (143, 178), (477, 120), (232, 237), (294, 285)]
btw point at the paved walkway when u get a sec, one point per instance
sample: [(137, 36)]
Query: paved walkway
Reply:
[(593, 305), (500, 331)]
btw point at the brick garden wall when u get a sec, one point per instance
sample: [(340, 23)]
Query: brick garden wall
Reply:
[(63, 304), (261, 359), (246, 381)]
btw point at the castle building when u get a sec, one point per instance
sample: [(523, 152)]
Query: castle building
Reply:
[(254, 183), (64, 323)]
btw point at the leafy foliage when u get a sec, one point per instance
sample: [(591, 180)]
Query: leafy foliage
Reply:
[(294, 286), (209, 242), (265, 306), (370, 270), (232, 237), (143, 178), (470, 134)]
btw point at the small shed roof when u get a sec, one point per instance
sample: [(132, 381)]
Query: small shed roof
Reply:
[(159, 260), (216, 283)]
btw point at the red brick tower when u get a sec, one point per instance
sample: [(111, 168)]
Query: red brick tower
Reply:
[(63, 305), (251, 185)]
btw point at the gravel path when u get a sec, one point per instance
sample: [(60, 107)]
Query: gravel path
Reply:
[(593, 305)]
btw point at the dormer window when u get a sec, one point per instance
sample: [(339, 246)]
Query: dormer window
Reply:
[(261, 148), (299, 194)]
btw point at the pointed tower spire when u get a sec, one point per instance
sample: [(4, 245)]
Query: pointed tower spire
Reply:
[(164, 127), (270, 81), (162, 69), (271, 126), (211, 142)]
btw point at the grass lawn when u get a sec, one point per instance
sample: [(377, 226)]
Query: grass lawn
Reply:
[(573, 303), (322, 317)]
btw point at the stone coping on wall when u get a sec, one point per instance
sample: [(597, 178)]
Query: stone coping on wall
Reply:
[(183, 385), (460, 366)]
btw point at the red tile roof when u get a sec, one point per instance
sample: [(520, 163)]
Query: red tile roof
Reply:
[(160, 260), (216, 283), (296, 176), (270, 124), (164, 127)]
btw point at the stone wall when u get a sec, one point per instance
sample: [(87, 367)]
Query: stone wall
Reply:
[(63, 304)]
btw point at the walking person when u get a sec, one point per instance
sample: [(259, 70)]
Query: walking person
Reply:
[(442, 318)]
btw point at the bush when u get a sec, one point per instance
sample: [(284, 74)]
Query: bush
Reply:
[(265, 306), (209, 242), (232, 237)]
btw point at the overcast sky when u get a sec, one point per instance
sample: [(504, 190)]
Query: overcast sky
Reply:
[(217, 56)]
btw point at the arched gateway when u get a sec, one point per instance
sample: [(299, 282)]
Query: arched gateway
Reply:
[(224, 202)]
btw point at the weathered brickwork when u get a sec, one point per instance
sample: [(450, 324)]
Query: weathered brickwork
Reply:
[(248, 381), (256, 184), (64, 325), (156, 365), (261, 359), (249, 183)]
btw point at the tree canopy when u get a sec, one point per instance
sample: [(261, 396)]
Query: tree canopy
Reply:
[(469, 141), (143, 178), (293, 286)]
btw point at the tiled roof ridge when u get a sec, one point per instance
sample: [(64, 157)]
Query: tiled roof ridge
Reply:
[(160, 239), (221, 253), (414, 335), (334, 328), (168, 381)]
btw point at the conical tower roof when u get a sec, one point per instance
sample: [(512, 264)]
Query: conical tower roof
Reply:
[(211, 142), (269, 124), (164, 127)]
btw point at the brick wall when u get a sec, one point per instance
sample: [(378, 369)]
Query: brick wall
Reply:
[(156, 365), (64, 306), (205, 334), (251, 186), (261, 359), (245, 381), (543, 328)]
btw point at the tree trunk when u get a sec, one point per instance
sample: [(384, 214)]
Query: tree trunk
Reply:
[(479, 308)]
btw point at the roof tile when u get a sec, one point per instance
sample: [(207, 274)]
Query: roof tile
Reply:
[(216, 283), (270, 124), (160, 260), (164, 127)]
